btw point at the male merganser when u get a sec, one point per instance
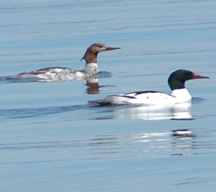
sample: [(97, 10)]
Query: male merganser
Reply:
[(176, 82), (64, 74)]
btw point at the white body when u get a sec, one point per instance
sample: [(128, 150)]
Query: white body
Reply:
[(148, 98), (61, 74), (178, 96)]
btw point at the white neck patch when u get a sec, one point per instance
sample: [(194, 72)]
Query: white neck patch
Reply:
[(182, 95), (91, 69)]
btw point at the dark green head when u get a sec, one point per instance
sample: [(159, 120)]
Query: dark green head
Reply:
[(177, 78)]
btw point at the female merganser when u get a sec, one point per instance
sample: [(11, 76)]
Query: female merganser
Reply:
[(176, 82), (64, 74)]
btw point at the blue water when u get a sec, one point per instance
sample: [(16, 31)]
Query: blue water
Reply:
[(52, 140)]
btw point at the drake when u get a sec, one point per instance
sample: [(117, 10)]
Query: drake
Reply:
[(176, 83)]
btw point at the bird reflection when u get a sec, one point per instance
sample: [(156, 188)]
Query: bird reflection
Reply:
[(93, 85), (147, 143), (173, 112), (154, 112), (181, 111), (93, 82), (182, 143)]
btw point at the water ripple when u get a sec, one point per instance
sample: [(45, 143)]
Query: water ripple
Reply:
[(147, 144), (36, 112)]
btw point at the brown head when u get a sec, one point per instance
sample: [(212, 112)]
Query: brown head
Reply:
[(91, 53)]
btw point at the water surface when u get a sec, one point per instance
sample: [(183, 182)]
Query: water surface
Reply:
[(52, 140)]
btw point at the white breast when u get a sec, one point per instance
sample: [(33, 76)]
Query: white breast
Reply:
[(91, 69), (181, 95), (158, 98)]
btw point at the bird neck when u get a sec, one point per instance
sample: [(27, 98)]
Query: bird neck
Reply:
[(90, 57), (91, 69), (181, 94)]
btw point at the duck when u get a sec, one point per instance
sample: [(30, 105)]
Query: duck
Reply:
[(176, 83), (65, 74)]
